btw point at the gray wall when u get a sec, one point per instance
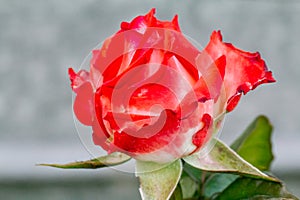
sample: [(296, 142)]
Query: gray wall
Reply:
[(39, 40)]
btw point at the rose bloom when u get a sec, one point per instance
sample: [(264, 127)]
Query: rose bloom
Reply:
[(150, 93)]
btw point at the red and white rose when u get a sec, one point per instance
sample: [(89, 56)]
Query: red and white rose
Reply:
[(150, 93)]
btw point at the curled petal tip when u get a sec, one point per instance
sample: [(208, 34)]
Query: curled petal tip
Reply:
[(78, 79), (124, 25), (71, 73), (270, 78), (175, 22), (149, 18), (72, 76), (216, 35), (152, 12)]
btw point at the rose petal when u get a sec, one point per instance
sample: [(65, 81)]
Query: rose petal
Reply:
[(102, 106), (244, 70), (149, 139), (210, 83), (84, 104), (181, 144), (137, 48), (99, 137), (78, 79), (84, 100), (136, 94)]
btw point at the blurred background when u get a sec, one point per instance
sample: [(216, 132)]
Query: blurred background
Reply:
[(39, 40)]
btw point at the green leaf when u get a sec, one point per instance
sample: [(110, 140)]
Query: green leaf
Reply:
[(223, 159), (247, 188), (158, 181), (217, 182), (254, 145), (177, 194), (188, 186), (115, 158), (195, 173)]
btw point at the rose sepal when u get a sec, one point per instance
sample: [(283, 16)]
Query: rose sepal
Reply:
[(112, 159), (222, 159), (158, 181)]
